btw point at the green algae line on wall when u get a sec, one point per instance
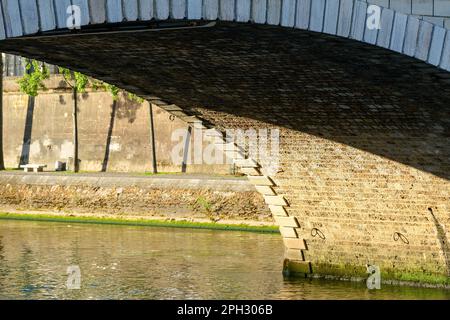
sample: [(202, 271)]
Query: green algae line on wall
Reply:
[(140, 222)]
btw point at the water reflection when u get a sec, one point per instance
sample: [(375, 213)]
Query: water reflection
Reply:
[(119, 262)]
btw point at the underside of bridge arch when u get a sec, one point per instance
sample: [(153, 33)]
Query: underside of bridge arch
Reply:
[(365, 132)]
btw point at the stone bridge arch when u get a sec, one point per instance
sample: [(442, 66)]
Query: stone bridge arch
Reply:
[(365, 157), (399, 32)]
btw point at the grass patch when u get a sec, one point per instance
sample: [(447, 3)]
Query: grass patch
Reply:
[(143, 222), (204, 203)]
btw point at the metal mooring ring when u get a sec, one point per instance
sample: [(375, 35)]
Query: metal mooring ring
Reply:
[(399, 236), (316, 232)]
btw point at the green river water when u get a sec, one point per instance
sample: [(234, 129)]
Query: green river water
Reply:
[(124, 262)]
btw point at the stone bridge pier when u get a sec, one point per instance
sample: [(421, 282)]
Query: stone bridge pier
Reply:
[(363, 114)]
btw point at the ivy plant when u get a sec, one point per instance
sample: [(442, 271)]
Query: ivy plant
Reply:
[(34, 77), (76, 80)]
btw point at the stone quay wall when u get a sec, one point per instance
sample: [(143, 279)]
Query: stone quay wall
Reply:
[(112, 136)]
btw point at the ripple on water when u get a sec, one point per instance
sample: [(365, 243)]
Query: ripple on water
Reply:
[(121, 262)]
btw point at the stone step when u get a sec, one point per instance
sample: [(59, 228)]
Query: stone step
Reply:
[(265, 190), (251, 171), (286, 221), (293, 254), (214, 133), (230, 146), (288, 232), (246, 163), (192, 120), (291, 243), (261, 181), (292, 267), (275, 200), (278, 211), (234, 155), (179, 114), (171, 108)]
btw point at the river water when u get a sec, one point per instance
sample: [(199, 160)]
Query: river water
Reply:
[(124, 262)]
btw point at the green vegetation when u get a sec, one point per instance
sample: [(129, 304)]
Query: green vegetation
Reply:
[(204, 203), (417, 277), (341, 271), (115, 91), (33, 79), (75, 80), (142, 222)]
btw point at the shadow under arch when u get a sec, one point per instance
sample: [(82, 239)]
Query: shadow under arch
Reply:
[(369, 98), (353, 19)]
